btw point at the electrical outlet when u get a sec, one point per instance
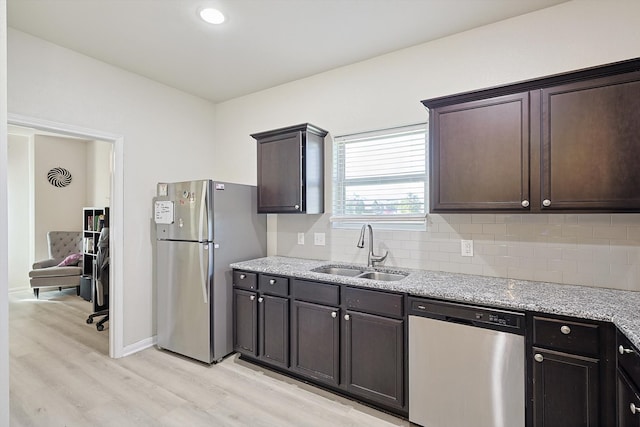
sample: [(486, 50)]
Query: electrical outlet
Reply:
[(301, 238), (466, 247), (318, 239)]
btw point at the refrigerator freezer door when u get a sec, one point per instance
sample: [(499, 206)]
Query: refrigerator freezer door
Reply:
[(184, 280), (191, 212)]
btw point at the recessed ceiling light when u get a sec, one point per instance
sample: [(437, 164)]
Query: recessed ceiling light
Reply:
[(212, 16)]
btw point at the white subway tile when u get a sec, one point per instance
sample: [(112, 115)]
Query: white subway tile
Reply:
[(483, 218), (612, 232), (594, 219)]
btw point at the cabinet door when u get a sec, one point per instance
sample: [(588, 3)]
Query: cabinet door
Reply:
[(565, 390), (274, 330), (480, 155), (628, 403), (280, 174), (591, 145), (245, 322), (315, 342), (374, 357)]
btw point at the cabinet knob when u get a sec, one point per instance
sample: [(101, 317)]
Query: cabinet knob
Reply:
[(272, 281), (334, 314), (538, 357), (260, 299), (633, 408), (252, 297), (623, 350), (243, 276), (347, 317), (546, 203), (296, 206), (525, 203), (565, 329)]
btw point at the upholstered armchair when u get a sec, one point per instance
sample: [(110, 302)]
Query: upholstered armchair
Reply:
[(63, 268)]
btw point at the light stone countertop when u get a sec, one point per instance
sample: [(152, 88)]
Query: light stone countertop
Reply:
[(616, 306)]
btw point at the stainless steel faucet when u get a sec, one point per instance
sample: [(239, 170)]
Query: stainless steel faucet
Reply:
[(371, 257)]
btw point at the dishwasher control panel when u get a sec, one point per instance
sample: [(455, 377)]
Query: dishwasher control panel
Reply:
[(486, 317)]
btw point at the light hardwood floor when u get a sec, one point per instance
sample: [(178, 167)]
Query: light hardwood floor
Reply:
[(61, 375)]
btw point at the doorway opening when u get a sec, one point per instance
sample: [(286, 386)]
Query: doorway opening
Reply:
[(97, 144)]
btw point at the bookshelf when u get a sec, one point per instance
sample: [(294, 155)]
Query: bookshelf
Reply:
[(93, 220)]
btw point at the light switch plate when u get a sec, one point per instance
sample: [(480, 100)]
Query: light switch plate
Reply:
[(466, 247), (301, 238), (318, 239)]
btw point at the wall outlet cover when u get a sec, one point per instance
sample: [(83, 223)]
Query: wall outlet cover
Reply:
[(301, 238), (318, 239), (466, 248)]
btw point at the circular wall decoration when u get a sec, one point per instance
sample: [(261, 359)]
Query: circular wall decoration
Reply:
[(59, 177)]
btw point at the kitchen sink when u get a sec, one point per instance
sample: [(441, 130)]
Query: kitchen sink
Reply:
[(339, 271), (379, 275), (360, 274)]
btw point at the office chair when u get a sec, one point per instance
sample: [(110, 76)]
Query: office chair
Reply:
[(101, 288)]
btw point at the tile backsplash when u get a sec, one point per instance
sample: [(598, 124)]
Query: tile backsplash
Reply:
[(601, 250)]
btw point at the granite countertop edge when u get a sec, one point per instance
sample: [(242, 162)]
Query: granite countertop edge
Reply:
[(610, 305)]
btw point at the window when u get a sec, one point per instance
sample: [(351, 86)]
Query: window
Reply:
[(380, 177)]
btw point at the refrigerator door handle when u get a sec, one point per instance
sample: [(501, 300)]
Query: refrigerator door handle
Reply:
[(203, 272), (203, 206)]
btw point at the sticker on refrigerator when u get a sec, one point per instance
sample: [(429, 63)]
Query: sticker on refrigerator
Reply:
[(219, 186), (163, 212)]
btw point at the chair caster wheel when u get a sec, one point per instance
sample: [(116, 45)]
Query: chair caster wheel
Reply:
[(100, 327), (89, 321)]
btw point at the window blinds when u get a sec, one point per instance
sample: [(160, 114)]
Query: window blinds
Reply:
[(380, 175)]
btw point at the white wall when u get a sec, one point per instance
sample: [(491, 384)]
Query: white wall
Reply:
[(596, 250), (4, 303), (19, 194), (57, 208), (99, 155), (168, 136)]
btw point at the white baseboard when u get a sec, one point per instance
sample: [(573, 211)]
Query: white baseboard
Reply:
[(139, 346)]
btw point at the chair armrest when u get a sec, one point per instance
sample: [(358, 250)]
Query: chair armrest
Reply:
[(45, 263)]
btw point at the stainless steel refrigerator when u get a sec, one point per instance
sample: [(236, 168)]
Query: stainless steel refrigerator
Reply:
[(201, 228)]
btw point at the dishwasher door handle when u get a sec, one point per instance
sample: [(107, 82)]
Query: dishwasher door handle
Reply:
[(459, 321)]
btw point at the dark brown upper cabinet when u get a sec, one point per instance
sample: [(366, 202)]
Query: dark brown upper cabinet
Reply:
[(291, 170), (565, 143)]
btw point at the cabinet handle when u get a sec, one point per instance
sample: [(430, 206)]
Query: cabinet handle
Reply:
[(334, 314), (546, 203), (260, 299), (634, 409), (623, 350), (347, 317), (565, 329), (272, 281), (525, 203), (538, 357), (252, 297), (242, 276)]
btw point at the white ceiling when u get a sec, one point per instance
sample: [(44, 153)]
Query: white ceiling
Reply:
[(264, 43)]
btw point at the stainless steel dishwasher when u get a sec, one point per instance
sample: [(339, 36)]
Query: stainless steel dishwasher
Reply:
[(466, 365)]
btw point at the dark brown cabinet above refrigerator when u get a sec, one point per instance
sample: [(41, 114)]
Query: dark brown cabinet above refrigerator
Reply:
[(566, 143), (291, 170)]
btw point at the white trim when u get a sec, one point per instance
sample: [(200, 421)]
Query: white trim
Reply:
[(116, 213), (139, 346)]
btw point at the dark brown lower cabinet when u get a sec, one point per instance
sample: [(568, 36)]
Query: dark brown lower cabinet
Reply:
[(274, 329), (566, 390), (315, 341), (628, 402), (373, 357), (245, 322)]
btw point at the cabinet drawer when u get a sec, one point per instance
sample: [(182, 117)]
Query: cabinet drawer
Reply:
[(321, 293), (573, 337), (373, 302), (244, 280), (628, 358), (274, 285)]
